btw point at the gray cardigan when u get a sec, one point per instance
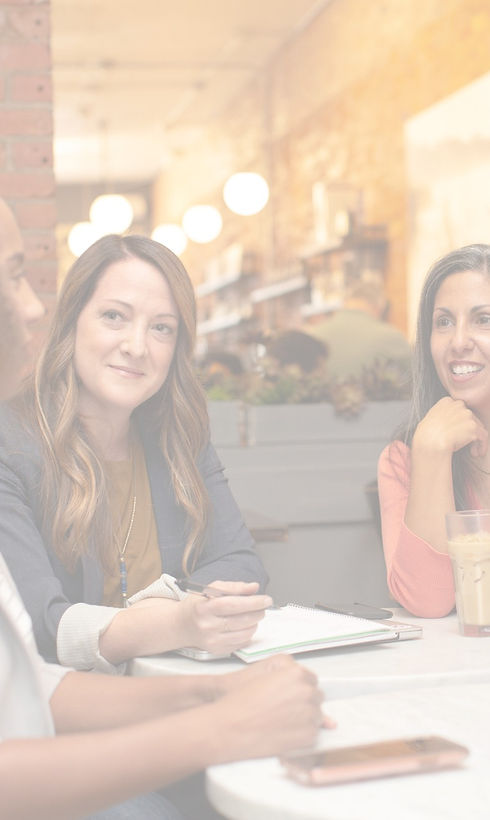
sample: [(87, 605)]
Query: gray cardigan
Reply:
[(47, 587)]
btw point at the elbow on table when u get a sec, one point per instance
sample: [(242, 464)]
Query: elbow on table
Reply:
[(423, 603)]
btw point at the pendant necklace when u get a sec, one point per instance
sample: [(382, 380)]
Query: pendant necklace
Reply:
[(123, 571)]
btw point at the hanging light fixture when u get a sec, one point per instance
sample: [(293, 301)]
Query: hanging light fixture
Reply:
[(202, 223), (246, 193), (111, 213), (172, 236), (81, 236)]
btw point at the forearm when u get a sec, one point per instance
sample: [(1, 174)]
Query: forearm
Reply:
[(76, 775), (86, 702), (431, 496), (219, 624), (135, 632), (418, 576)]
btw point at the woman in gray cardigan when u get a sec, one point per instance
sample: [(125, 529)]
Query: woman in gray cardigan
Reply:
[(119, 736), (109, 486)]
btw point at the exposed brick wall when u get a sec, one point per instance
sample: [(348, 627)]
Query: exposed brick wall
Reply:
[(331, 107), (26, 134)]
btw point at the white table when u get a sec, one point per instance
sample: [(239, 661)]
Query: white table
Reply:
[(259, 790), (441, 656)]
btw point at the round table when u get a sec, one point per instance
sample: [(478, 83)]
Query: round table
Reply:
[(441, 656), (260, 790)]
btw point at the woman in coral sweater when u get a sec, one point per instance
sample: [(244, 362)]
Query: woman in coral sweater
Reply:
[(441, 461)]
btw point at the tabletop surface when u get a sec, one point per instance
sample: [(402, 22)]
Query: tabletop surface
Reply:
[(442, 655), (260, 790)]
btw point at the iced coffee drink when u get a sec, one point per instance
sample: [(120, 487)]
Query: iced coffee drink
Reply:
[(470, 558)]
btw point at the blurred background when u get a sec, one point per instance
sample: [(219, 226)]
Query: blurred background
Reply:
[(295, 154), (363, 124)]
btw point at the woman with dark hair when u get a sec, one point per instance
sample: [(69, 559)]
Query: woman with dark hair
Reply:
[(109, 486), (441, 462)]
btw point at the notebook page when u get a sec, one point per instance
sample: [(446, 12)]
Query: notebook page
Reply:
[(294, 627)]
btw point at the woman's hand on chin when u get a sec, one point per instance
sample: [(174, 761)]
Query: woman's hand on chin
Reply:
[(448, 426)]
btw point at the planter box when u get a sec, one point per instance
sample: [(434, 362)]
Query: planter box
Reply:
[(308, 468)]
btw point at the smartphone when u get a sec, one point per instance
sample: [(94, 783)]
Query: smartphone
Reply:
[(208, 592), (383, 759), (199, 654), (359, 610)]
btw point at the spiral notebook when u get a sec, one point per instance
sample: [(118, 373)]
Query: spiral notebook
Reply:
[(293, 628)]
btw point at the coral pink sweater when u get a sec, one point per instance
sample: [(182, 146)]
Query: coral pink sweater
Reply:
[(419, 577)]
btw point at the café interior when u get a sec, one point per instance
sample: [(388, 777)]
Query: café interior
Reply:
[(284, 150)]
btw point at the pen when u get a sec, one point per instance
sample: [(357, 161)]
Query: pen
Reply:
[(200, 589)]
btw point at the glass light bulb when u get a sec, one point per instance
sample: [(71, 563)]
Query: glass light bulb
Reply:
[(246, 193), (172, 236), (111, 213), (202, 223), (81, 236)]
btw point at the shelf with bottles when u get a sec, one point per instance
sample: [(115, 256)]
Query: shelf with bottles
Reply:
[(333, 268), (223, 296), (278, 303)]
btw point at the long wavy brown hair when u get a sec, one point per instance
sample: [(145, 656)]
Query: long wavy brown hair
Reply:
[(75, 501)]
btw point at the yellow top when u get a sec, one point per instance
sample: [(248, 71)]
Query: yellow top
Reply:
[(125, 480)]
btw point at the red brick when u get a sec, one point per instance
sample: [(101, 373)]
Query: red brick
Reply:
[(32, 154), (36, 214), (25, 121), (40, 245), (2, 88), (31, 22), (3, 154), (24, 2), (24, 56), (23, 186), (30, 88)]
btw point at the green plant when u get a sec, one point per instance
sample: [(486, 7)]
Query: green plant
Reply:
[(385, 381)]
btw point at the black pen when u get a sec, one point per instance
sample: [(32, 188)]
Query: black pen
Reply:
[(200, 589)]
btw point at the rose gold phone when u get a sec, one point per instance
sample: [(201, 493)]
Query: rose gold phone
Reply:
[(390, 757)]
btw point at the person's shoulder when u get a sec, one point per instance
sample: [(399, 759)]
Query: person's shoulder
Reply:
[(11, 422), (17, 434), (394, 459), (208, 461), (393, 334)]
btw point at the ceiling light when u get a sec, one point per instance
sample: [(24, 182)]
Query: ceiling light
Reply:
[(111, 213), (172, 236), (246, 193), (81, 236), (202, 223)]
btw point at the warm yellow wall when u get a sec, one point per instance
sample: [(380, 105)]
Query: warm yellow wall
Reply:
[(332, 106)]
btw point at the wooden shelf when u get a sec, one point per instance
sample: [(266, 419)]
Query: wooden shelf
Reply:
[(277, 289), (219, 323)]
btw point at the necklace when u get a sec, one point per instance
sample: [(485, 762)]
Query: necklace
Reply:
[(123, 570)]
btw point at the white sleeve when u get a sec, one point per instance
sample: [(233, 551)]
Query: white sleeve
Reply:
[(50, 675), (163, 587), (81, 626), (78, 636)]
